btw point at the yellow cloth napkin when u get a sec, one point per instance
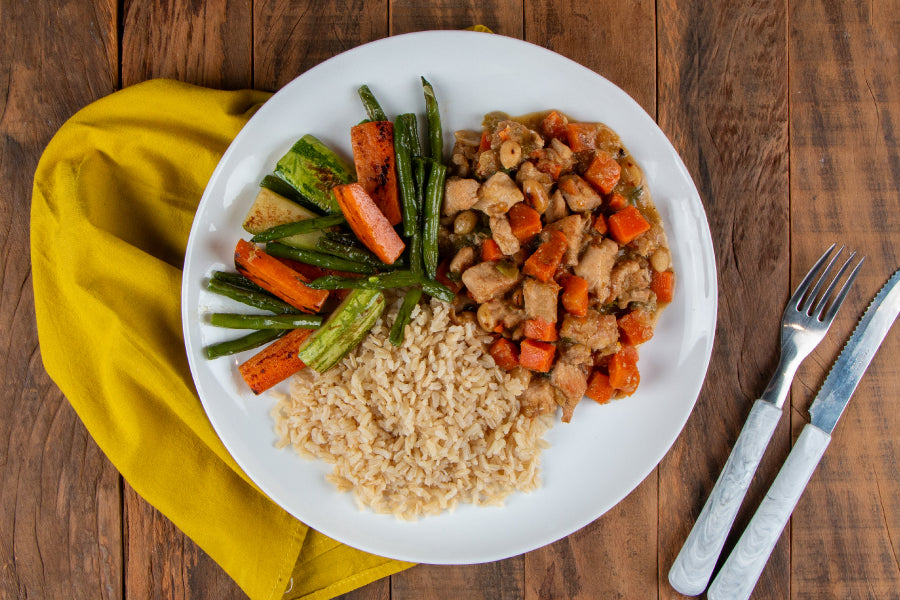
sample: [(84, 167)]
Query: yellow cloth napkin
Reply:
[(114, 196)]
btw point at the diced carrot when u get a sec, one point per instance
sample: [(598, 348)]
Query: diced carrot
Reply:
[(543, 263), (271, 274), (490, 250), (616, 202), (441, 277), (575, 294), (635, 327), (603, 172), (538, 329), (662, 283), (536, 356), (599, 388), (505, 353), (627, 224), (524, 221), (581, 136), (368, 222), (623, 370), (554, 125), (485, 142), (373, 155), (599, 224), (274, 363)]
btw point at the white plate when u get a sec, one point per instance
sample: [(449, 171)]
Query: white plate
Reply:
[(595, 461)]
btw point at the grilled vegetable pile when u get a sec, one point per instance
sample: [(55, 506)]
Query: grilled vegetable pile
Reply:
[(335, 236)]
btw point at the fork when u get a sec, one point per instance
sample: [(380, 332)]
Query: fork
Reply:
[(804, 323)]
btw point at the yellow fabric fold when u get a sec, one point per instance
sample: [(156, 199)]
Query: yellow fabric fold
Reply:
[(113, 201)]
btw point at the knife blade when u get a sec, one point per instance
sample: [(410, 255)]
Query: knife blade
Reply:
[(739, 574), (844, 376)]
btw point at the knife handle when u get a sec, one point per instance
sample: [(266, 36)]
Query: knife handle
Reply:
[(738, 576), (695, 563)]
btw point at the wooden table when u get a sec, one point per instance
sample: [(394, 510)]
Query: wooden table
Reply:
[(784, 114)]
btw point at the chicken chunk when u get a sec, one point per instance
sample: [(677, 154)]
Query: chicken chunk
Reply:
[(579, 194), (528, 171), (573, 227), (459, 195), (596, 265), (502, 233), (464, 259), (629, 281), (498, 194), (539, 398), (541, 299), (556, 210), (485, 281), (594, 330), (571, 382), (499, 312)]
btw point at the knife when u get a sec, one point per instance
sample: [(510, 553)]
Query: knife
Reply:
[(741, 570)]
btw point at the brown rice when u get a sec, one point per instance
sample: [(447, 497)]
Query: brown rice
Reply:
[(415, 430)]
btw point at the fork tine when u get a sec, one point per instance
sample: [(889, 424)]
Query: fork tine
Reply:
[(802, 298), (836, 304), (807, 280), (819, 307)]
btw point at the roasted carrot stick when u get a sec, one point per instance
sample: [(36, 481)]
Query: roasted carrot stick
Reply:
[(275, 363), (368, 222), (543, 263), (274, 276), (373, 155), (627, 224)]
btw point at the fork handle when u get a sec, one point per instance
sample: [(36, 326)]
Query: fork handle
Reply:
[(739, 574), (694, 565)]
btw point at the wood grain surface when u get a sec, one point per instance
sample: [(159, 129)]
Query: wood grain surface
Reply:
[(784, 115)]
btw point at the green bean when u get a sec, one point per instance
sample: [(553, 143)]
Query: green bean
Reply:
[(310, 257), (250, 297), (393, 279), (415, 144), (415, 253), (433, 117), (373, 109), (238, 280), (344, 237), (355, 253), (241, 321), (305, 226), (405, 182), (398, 329), (249, 341), (434, 194), (438, 290)]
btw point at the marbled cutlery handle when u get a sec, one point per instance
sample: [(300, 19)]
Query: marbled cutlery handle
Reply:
[(694, 565), (740, 572)]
